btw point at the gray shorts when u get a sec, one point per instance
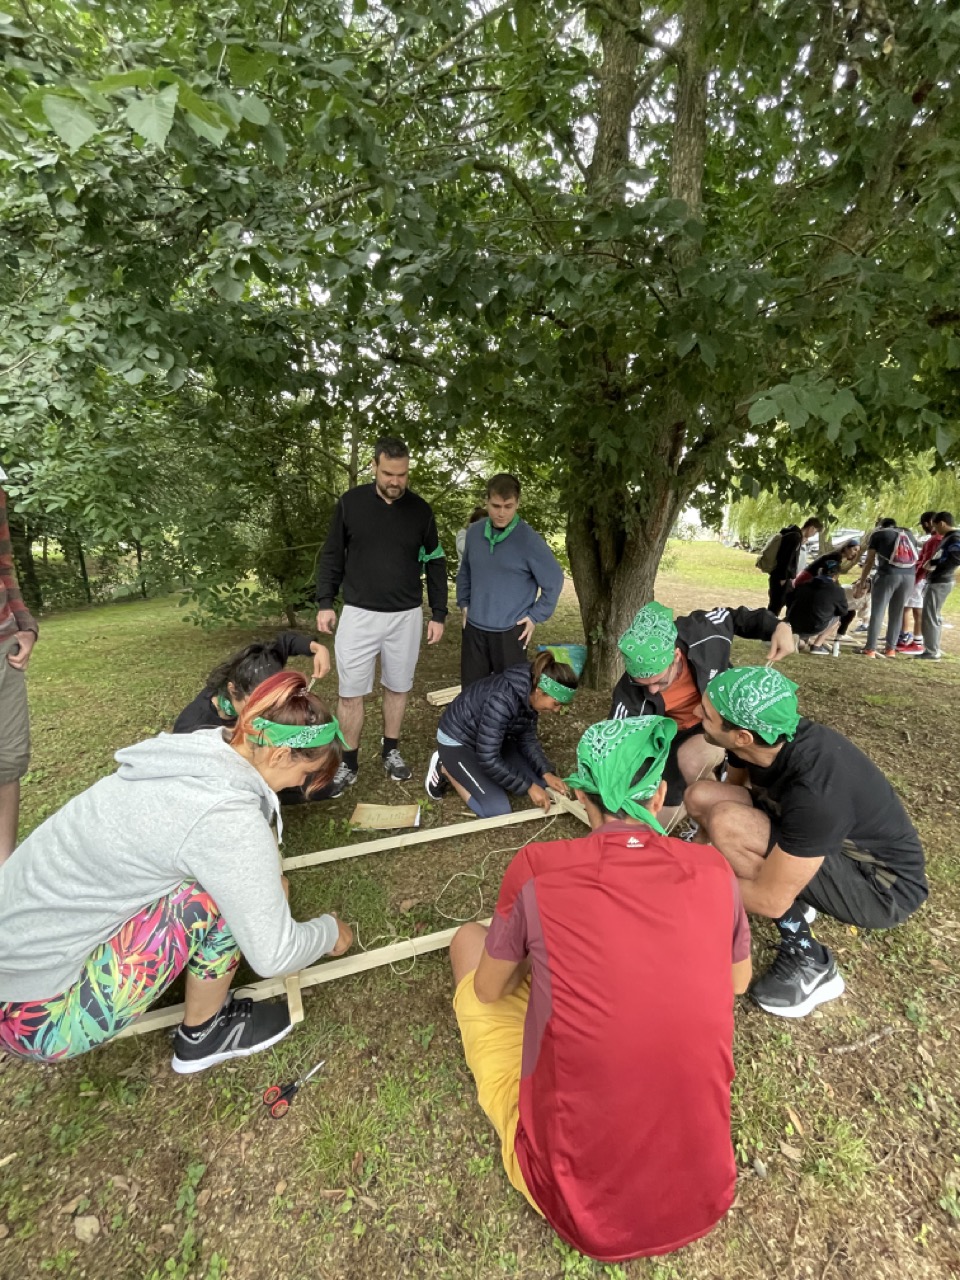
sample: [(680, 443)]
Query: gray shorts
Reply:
[(362, 636), (14, 720)]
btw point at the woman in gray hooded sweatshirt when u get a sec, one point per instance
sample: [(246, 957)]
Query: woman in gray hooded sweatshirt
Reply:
[(168, 864)]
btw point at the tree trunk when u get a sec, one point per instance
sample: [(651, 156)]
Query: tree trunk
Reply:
[(614, 568), (139, 549), (82, 562), (23, 558)]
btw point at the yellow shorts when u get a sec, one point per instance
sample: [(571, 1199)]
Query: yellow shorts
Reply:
[(492, 1037)]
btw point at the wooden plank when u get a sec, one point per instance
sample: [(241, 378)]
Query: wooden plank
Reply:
[(569, 805), (294, 994), (440, 697), (325, 971), (389, 843)]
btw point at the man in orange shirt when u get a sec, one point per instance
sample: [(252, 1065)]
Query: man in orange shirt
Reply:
[(669, 665)]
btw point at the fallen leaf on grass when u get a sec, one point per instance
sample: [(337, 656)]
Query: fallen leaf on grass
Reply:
[(134, 1192), (203, 1199), (795, 1120), (357, 1164), (331, 1193), (73, 1205), (926, 1055), (371, 1204), (86, 1228), (120, 1183), (407, 903), (792, 1153), (5, 1160), (168, 1228), (4, 1231), (939, 966), (281, 1187), (759, 1168)]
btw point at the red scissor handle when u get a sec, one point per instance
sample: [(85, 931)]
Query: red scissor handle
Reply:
[(280, 1108), (271, 1095)]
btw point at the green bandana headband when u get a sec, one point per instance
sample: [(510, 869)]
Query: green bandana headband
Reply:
[(294, 736), (493, 536), (648, 643), (554, 689), (610, 755), (757, 698), (425, 556), (226, 706)]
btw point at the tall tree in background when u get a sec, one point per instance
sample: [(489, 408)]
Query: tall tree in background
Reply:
[(607, 241)]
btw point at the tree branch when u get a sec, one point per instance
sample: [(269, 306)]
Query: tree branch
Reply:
[(523, 191), (633, 27), (358, 189)]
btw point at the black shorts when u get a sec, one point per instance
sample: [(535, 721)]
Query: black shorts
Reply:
[(854, 888), (671, 772)]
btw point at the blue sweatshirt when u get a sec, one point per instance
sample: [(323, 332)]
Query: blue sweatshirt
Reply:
[(499, 588)]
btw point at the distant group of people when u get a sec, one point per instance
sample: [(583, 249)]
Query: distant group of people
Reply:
[(596, 1011)]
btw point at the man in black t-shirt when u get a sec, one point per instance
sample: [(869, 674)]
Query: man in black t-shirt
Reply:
[(787, 564), (806, 820)]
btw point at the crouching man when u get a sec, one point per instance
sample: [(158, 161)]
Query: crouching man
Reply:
[(808, 823), (597, 1012)]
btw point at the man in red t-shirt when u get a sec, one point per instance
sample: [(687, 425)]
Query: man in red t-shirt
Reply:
[(597, 1012)]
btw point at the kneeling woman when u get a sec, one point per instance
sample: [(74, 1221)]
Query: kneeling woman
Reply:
[(487, 738), (168, 864)]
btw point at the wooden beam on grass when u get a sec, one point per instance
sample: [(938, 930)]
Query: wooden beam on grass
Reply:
[(291, 986), (427, 836), (569, 805), (440, 697), (325, 971)]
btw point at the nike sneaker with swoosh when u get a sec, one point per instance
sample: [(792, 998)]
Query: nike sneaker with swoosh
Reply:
[(240, 1029), (796, 983)]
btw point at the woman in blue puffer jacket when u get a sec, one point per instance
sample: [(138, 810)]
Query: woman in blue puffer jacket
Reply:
[(487, 744)]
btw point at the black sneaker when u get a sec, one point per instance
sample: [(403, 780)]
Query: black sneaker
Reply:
[(240, 1029), (435, 784), (343, 778), (395, 767), (796, 983)]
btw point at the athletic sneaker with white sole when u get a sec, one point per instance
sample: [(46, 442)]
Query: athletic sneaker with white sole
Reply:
[(796, 983), (239, 1030), (435, 784), (395, 767), (343, 778)]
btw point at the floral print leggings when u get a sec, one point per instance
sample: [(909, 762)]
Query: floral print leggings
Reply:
[(123, 977)]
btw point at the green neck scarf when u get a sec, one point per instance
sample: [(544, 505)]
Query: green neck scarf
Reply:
[(648, 643), (611, 754), (554, 689), (493, 536), (295, 736), (759, 699)]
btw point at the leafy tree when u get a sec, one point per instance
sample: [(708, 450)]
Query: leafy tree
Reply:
[(649, 252)]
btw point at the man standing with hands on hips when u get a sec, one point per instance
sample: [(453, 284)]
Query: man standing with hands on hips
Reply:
[(18, 634), (381, 537)]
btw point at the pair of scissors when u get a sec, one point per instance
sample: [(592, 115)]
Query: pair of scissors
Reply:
[(278, 1097)]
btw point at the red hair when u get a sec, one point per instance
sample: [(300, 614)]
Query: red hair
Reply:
[(283, 698)]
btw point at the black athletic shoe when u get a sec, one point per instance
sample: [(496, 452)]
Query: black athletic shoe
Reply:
[(435, 784), (343, 778), (240, 1029), (796, 983), (395, 767)]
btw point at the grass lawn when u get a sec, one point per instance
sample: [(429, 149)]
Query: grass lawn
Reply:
[(845, 1124)]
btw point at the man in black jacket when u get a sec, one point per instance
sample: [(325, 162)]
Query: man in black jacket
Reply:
[(381, 538), (670, 663), (787, 564)]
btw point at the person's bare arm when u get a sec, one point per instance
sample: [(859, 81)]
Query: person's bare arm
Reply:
[(779, 879), (742, 973), (495, 979), (867, 566)]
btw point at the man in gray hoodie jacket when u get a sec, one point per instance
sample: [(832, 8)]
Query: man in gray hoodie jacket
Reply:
[(169, 863)]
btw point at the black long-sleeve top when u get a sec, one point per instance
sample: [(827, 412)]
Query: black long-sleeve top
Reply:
[(202, 714), (373, 551)]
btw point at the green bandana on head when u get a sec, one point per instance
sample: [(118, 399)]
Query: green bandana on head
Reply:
[(226, 707), (648, 643), (554, 689), (757, 698), (294, 736), (493, 536), (611, 754)]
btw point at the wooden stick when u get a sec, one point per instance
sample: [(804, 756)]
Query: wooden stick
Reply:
[(325, 971), (390, 843), (440, 697), (291, 985), (569, 805)]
